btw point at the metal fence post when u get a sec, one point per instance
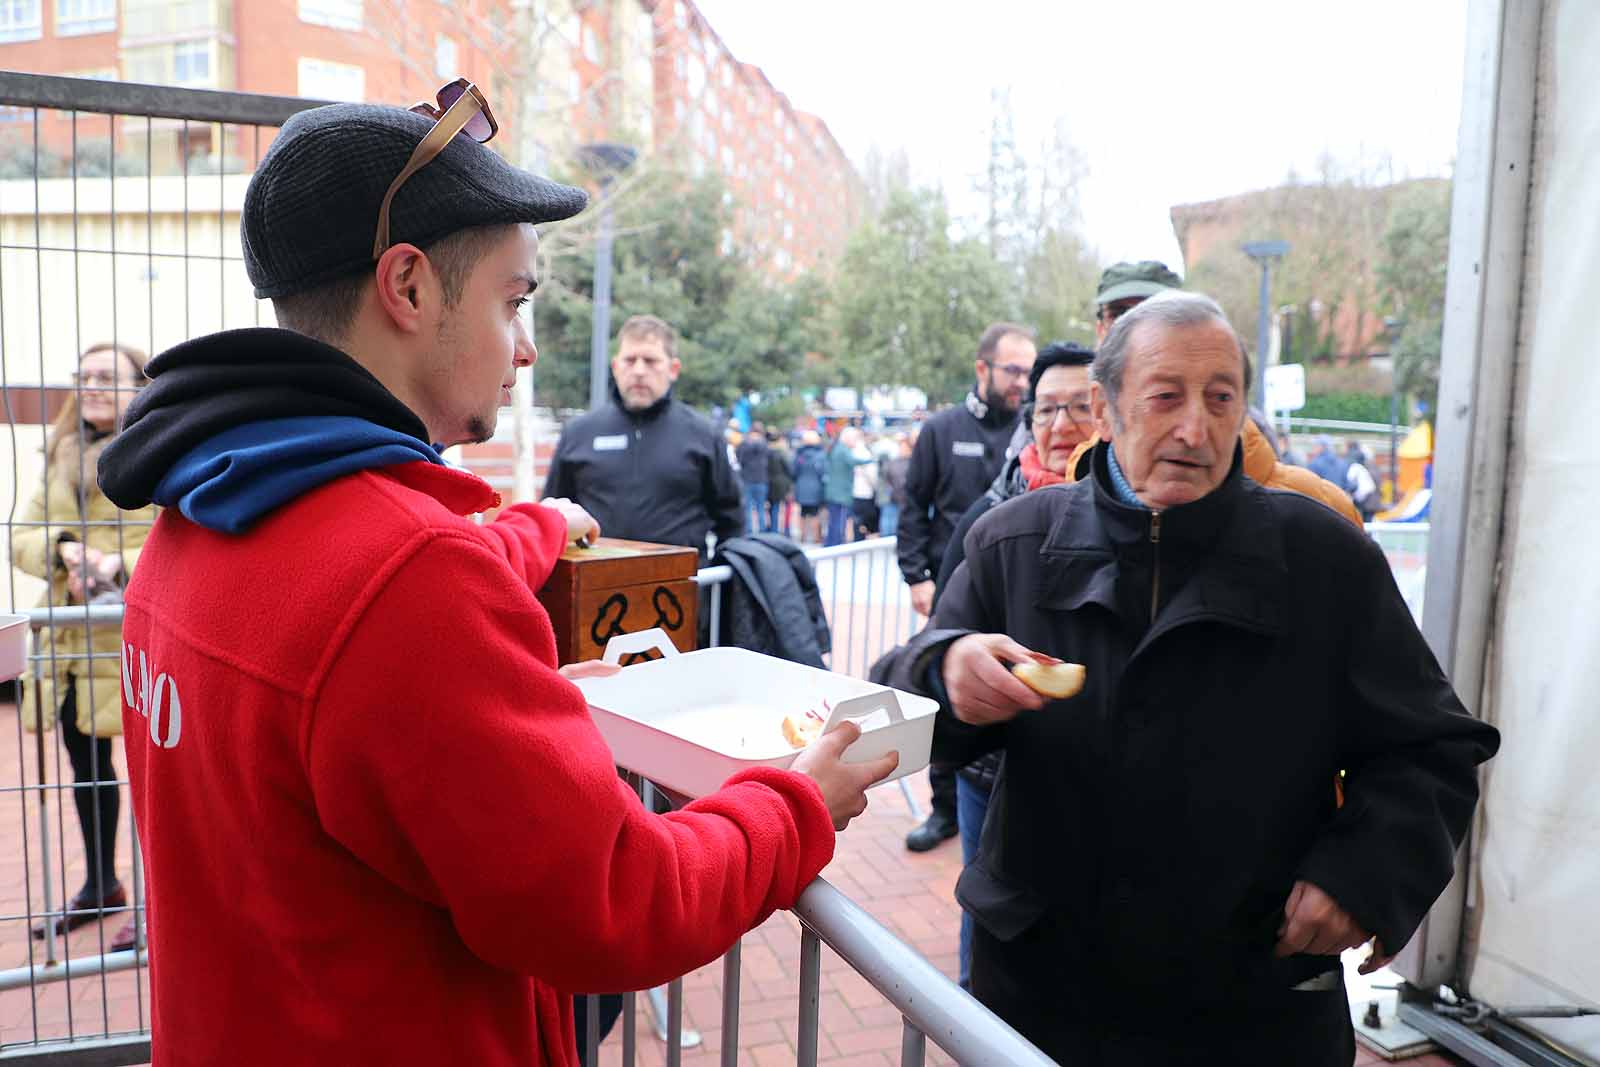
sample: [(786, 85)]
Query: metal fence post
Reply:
[(810, 998)]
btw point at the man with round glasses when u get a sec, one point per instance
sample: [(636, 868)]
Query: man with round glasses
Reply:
[(957, 455), (361, 783)]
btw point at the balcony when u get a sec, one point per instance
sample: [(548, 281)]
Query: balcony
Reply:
[(153, 21)]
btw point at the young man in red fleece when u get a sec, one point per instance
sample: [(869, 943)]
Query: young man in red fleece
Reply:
[(378, 823)]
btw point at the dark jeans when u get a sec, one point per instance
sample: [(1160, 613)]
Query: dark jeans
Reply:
[(778, 516), (972, 804), (837, 514), (942, 776), (610, 1011), (99, 806), (755, 508)]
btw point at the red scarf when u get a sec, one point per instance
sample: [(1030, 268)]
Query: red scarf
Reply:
[(1036, 473)]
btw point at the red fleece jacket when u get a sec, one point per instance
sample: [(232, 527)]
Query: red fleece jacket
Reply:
[(378, 826)]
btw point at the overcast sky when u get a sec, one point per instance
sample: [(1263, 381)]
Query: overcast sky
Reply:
[(1173, 101)]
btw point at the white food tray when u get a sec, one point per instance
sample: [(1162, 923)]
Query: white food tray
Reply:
[(688, 721), (13, 646)]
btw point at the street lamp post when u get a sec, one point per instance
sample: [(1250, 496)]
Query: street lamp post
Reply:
[(605, 161), (1392, 328), (1264, 252)]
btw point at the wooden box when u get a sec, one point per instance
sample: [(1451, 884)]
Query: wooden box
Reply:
[(620, 587)]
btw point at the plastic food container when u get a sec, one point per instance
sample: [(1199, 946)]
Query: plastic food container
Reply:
[(13, 646), (689, 720)]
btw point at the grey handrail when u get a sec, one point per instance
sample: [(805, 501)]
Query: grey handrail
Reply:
[(930, 1002)]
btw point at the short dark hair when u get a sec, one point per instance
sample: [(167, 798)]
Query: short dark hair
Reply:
[(650, 328), (1057, 354), (994, 334), (328, 311)]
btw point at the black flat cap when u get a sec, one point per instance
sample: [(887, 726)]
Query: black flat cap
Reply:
[(311, 210)]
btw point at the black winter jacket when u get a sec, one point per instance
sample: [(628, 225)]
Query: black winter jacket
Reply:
[(1144, 835), (780, 476), (752, 454), (957, 455), (659, 475), (772, 605)]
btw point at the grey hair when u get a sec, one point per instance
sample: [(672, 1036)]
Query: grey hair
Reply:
[(1172, 309)]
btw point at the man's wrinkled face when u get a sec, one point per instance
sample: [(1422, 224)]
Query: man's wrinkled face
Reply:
[(644, 372), (1003, 380), (1179, 414)]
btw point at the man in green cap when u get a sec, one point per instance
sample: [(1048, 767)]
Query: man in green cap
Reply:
[(1123, 286)]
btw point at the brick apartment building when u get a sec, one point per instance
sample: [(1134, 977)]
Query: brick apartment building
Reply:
[(652, 73), (559, 73)]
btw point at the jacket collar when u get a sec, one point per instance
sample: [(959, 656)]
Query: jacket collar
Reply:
[(1228, 543), (650, 413), (990, 415)]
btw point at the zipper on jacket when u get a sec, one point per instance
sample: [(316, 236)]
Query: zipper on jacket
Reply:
[(1155, 564)]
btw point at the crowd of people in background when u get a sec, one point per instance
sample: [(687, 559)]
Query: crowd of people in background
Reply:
[(823, 481), (829, 481)]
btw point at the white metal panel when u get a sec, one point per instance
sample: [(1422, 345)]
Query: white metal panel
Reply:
[(1539, 862), (1482, 303)]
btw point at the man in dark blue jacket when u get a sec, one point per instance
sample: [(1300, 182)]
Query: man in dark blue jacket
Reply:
[(647, 467)]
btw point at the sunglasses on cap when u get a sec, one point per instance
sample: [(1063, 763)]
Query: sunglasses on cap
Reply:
[(459, 106)]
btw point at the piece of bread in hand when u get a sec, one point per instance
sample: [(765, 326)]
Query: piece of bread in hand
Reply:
[(801, 730), (1058, 681)]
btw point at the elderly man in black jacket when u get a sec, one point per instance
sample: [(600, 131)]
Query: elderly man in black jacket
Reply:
[(1167, 875)]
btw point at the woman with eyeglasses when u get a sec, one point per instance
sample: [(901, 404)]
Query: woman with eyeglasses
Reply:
[(84, 547)]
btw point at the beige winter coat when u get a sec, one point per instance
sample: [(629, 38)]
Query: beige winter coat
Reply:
[(35, 549)]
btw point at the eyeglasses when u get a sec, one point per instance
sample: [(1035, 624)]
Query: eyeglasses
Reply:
[(1012, 370), (1045, 414), (460, 106)]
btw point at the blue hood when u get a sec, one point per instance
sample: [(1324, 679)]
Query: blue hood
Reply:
[(227, 482)]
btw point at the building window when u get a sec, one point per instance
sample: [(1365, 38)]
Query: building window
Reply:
[(446, 57), (191, 63), (727, 158), (74, 17), (339, 14), (322, 80), (19, 20), (697, 78), (591, 45)]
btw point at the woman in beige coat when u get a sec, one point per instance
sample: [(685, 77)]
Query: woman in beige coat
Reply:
[(79, 542)]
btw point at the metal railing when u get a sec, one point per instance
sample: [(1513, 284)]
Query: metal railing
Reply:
[(118, 223)]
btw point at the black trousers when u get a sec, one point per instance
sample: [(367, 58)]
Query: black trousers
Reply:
[(99, 806), (610, 1010), (1074, 1018), (942, 776)]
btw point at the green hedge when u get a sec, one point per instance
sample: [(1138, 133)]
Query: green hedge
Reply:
[(1350, 407)]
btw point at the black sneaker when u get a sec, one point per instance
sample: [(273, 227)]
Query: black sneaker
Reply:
[(931, 834)]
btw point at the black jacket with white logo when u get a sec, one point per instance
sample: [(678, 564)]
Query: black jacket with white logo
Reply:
[(958, 453), (659, 475)]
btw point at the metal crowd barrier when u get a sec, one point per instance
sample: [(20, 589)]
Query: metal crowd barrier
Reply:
[(118, 223)]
